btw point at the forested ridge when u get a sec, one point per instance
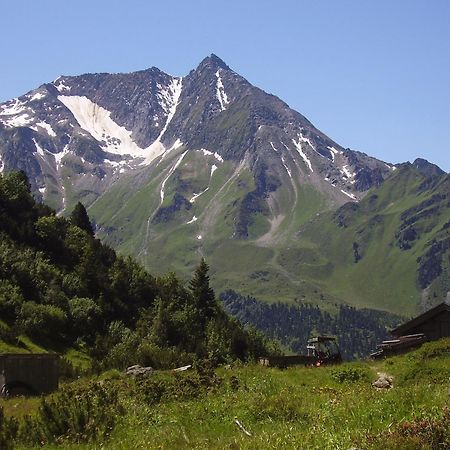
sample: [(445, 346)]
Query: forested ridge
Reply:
[(63, 288), (358, 330)]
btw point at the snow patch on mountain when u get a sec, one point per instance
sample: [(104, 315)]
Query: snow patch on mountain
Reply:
[(21, 120), (98, 123), (15, 113), (349, 195), (304, 139), (60, 86), (171, 98), (333, 152), (346, 172), (13, 107), (209, 153), (298, 146), (282, 160), (44, 125), (60, 155), (39, 149), (37, 96), (286, 167), (220, 92), (172, 170), (196, 196)]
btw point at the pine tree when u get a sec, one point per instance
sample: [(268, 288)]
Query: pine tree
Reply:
[(202, 292), (80, 218)]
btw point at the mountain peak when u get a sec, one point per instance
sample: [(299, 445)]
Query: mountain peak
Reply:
[(213, 62), (427, 168)]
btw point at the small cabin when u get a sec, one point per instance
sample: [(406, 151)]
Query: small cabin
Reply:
[(434, 324), (28, 374)]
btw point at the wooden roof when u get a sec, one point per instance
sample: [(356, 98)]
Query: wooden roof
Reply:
[(419, 320)]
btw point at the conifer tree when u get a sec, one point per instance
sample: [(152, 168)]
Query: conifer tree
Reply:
[(202, 292), (80, 218)]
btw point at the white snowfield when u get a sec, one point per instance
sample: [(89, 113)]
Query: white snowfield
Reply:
[(298, 146), (220, 92), (116, 139), (98, 123)]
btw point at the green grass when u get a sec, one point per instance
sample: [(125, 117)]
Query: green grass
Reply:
[(307, 256), (331, 407)]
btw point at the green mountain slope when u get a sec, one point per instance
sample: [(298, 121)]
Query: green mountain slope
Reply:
[(389, 251)]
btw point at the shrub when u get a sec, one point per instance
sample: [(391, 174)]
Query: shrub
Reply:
[(8, 431), (350, 374), (37, 320), (74, 414)]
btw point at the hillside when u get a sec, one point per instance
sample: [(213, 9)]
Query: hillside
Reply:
[(391, 250), (62, 290), (325, 408)]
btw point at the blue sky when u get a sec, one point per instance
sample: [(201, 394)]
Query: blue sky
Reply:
[(373, 75)]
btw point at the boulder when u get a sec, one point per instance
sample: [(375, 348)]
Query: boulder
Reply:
[(383, 382), (138, 370)]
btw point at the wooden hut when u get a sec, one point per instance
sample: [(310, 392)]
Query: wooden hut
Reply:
[(434, 324), (28, 373)]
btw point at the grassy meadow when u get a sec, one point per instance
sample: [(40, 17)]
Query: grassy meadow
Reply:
[(333, 407)]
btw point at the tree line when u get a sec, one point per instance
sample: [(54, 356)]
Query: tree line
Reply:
[(64, 288)]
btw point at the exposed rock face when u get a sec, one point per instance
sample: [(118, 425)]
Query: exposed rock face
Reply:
[(89, 130)]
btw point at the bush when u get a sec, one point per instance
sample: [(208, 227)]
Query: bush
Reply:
[(183, 386), (350, 375), (38, 321), (74, 414), (8, 431)]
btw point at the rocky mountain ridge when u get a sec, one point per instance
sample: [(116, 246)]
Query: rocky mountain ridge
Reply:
[(174, 168)]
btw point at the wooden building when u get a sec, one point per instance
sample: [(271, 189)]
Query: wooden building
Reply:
[(28, 373), (434, 324)]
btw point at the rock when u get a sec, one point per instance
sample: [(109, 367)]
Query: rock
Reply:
[(137, 370), (183, 368), (383, 382)]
